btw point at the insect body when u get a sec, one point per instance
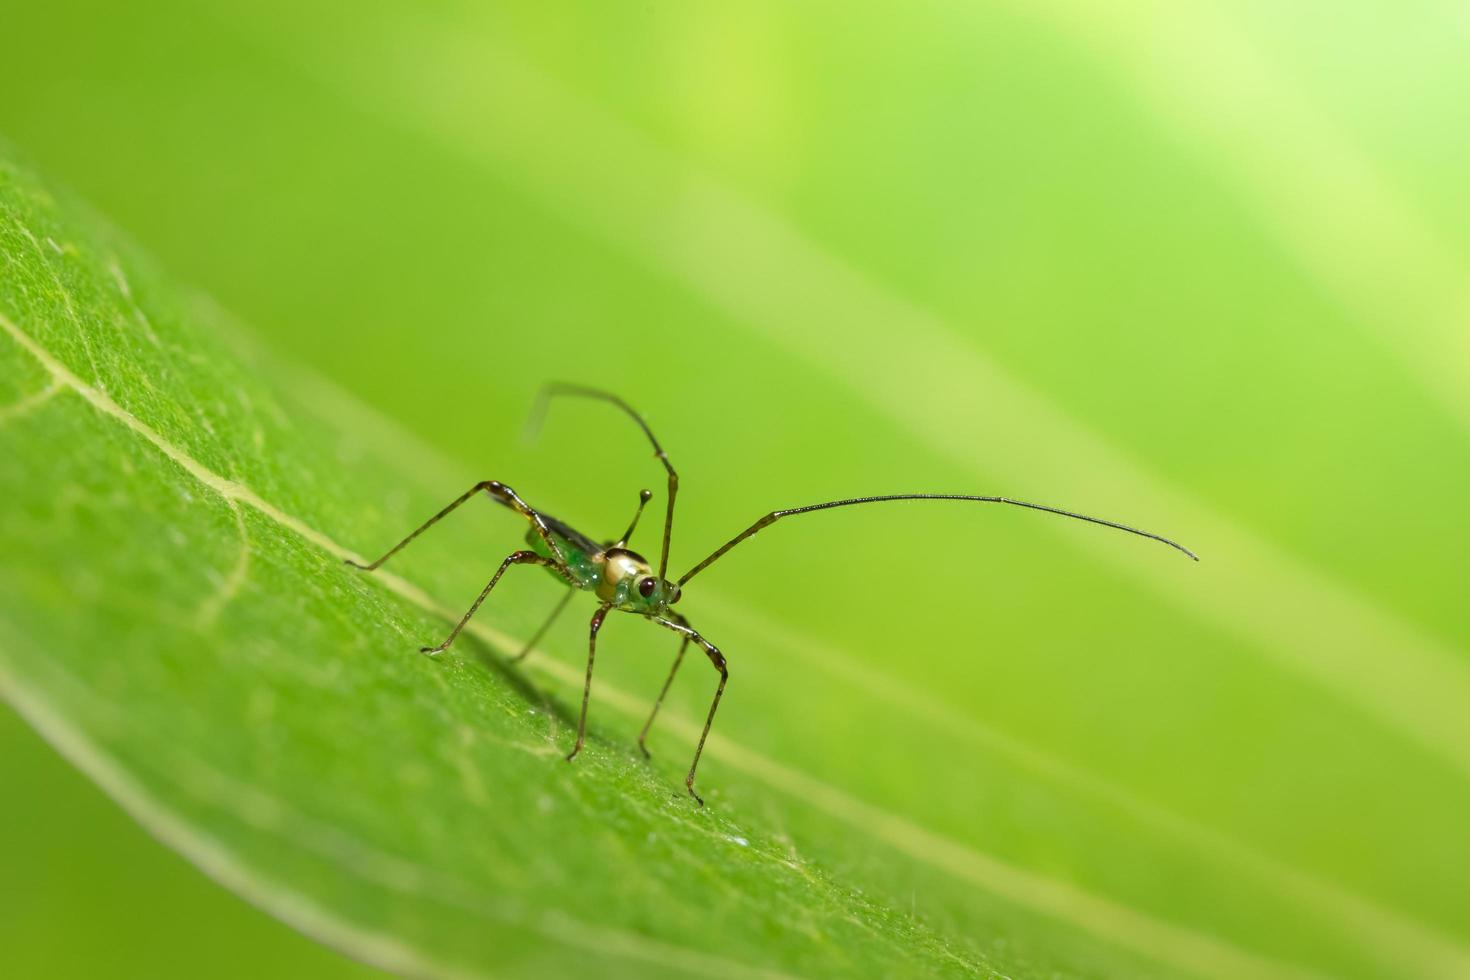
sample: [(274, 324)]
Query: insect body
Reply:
[(620, 577), (624, 580)]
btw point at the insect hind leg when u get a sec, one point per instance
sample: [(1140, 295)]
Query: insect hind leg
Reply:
[(515, 558), (494, 489)]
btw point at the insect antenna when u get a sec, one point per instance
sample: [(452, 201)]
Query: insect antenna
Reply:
[(776, 515), (538, 413)]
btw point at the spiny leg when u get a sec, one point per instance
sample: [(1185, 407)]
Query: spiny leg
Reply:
[(718, 660), (668, 682), (597, 618), (515, 558), (536, 637), (498, 492)]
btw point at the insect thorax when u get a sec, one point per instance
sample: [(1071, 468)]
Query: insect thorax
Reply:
[(621, 578), (584, 567)]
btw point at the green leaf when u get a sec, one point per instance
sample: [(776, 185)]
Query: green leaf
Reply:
[(1191, 266), (177, 619)]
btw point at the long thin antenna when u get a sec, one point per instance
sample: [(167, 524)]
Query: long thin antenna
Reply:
[(581, 391), (776, 515)]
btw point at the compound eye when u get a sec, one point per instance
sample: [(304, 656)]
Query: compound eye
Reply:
[(646, 587)]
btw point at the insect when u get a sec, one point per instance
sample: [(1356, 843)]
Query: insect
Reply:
[(622, 579)]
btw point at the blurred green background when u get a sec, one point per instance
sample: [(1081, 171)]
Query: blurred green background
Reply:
[(1200, 267)]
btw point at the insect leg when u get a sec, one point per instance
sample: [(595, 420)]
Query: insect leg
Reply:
[(718, 660), (683, 645), (515, 558), (536, 637), (498, 492), (597, 618)]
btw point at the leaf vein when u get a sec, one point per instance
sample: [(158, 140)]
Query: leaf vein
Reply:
[(1177, 945)]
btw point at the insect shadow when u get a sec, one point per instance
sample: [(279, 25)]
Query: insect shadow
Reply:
[(623, 580), (554, 707)]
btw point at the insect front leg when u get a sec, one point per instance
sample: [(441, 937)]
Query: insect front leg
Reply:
[(597, 619), (679, 659), (717, 659), (515, 558)]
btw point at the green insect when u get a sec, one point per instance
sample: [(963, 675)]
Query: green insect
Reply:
[(624, 580)]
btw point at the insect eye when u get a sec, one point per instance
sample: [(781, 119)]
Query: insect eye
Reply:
[(646, 587)]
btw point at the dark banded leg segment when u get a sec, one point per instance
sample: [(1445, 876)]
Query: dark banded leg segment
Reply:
[(515, 558), (683, 646), (498, 492), (717, 659), (596, 625)]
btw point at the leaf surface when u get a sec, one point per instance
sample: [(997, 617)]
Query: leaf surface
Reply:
[(177, 620)]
